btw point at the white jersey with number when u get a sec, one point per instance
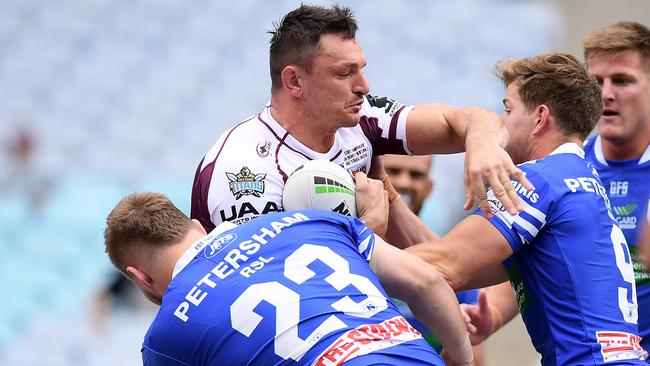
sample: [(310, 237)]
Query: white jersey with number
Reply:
[(243, 174)]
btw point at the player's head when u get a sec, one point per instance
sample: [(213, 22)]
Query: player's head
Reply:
[(141, 236), (410, 177), (619, 57), (553, 87), (315, 59)]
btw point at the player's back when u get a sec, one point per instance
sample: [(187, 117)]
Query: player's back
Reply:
[(290, 288), (572, 275)]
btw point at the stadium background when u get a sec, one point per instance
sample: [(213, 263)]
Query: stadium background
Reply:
[(100, 98)]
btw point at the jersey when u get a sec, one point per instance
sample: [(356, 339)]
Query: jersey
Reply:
[(628, 188), (570, 268), (292, 288), (243, 174)]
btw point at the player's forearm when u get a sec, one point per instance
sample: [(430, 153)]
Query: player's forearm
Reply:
[(502, 303), (435, 304), (477, 125), (405, 228)]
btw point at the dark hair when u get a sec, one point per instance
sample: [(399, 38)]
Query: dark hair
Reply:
[(140, 221), (296, 39), (559, 81), (620, 37)]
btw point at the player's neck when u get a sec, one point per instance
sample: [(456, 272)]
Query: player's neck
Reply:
[(303, 127), (627, 150), (543, 148)]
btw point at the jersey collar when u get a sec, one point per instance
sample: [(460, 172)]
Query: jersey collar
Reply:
[(598, 153), (569, 148), (192, 251)]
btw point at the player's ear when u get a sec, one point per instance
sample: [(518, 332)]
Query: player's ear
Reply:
[(543, 118), (141, 278), (199, 227), (145, 283), (291, 80)]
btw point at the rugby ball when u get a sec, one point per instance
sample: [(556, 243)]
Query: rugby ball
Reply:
[(320, 184)]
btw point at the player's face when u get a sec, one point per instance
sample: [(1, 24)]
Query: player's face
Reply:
[(336, 86), (410, 177), (626, 95), (519, 123)]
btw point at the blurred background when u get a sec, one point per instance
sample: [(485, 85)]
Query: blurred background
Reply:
[(101, 98)]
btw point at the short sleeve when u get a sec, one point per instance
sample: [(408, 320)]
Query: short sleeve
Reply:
[(522, 228), (364, 239), (383, 122)]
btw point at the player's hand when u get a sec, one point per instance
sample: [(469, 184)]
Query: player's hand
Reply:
[(478, 319), (488, 164), (372, 203)]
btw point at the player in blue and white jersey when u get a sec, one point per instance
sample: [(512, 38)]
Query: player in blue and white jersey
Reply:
[(565, 255), (619, 57), (291, 288)]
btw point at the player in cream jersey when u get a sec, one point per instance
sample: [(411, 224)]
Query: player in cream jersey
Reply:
[(267, 154)]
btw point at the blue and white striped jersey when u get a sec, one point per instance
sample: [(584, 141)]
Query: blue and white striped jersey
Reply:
[(570, 268), (628, 186), (290, 288)]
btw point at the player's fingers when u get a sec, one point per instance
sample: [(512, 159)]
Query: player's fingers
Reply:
[(520, 177), (483, 302), (360, 181), (496, 180)]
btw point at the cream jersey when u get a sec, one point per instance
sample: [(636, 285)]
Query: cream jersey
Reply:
[(243, 174)]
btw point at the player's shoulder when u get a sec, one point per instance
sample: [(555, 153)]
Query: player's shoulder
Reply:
[(374, 104), (247, 137)]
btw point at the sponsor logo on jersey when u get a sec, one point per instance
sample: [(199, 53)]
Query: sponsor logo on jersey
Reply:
[(616, 346), (624, 215), (237, 213), (326, 185), (246, 183), (263, 149), (218, 244), (618, 188), (366, 339), (389, 105), (354, 159), (343, 209)]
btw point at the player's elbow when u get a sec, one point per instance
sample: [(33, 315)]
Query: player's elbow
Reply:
[(422, 283), (444, 266)]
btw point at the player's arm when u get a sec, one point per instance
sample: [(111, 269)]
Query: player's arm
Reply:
[(496, 306), (407, 277), (470, 256), (438, 128)]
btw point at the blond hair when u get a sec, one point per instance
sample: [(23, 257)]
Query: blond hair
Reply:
[(141, 222), (559, 81), (620, 37)]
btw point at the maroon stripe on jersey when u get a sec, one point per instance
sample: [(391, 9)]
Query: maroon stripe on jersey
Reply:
[(380, 145), (281, 140), (337, 155), (199, 208), (200, 188), (277, 163)]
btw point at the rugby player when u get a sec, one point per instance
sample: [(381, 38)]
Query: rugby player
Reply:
[(565, 254), (320, 108), (292, 288)]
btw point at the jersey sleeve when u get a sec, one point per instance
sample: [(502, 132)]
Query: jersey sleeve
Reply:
[(383, 122), (363, 236), (522, 228)]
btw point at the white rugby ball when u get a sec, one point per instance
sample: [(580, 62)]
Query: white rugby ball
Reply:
[(320, 184)]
